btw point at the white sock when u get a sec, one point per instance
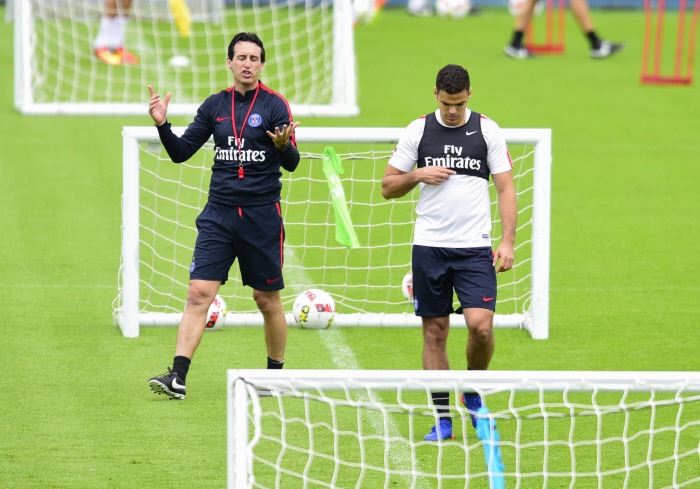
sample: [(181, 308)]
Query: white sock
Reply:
[(110, 34), (121, 24)]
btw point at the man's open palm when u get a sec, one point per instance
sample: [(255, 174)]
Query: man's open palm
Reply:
[(157, 108)]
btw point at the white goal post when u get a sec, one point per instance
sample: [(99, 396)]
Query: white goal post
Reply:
[(309, 47), (363, 428), (161, 200)]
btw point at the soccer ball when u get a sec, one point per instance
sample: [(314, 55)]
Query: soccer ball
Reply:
[(407, 285), (314, 309), (515, 6), (179, 61), (216, 314), (453, 9)]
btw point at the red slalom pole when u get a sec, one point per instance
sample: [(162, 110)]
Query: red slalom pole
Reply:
[(679, 76), (554, 31)]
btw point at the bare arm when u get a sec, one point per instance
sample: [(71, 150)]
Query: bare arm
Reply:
[(508, 210), (397, 183)]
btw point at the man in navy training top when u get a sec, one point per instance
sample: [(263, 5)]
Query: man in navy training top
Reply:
[(450, 155), (253, 135)]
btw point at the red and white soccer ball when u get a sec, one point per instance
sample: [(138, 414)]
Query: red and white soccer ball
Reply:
[(515, 7), (453, 9), (216, 314), (314, 309), (407, 285)]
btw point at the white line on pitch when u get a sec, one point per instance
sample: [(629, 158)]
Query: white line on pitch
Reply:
[(344, 358)]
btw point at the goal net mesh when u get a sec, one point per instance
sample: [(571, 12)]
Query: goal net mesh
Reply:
[(363, 280), (308, 45), (365, 429)]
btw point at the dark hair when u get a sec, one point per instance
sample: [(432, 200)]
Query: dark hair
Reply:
[(452, 79), (246, 37)]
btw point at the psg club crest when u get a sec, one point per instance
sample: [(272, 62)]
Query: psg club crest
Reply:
[(255, 119)]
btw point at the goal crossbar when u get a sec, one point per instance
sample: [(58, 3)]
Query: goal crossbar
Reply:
[(476, 381)]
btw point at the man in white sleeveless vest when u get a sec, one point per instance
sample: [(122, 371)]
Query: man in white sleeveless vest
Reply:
[(450, 155)]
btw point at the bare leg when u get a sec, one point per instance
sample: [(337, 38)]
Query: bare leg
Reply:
[(480, 344), (114, 7), (110, 9), (582, 14), (269, 303), (525, 15), (200, 296), (435, 331)]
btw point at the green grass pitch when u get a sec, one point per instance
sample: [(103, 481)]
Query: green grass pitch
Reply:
[(75, 409)]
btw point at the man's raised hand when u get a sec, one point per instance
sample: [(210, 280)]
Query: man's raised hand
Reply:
[(157, 108), (281, 137)]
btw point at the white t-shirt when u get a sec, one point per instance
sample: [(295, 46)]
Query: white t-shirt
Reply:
[(457, 213)]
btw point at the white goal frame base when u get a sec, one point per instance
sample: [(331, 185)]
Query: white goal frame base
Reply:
[(340, 320)]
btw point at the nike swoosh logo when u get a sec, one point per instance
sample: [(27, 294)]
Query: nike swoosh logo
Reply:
[(272, 281), (219, 119), (177, 384), (470, 133), (487, 299)]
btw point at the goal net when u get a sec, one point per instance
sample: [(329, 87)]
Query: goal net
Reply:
[(355, 428), (309, 48), (161, 201)]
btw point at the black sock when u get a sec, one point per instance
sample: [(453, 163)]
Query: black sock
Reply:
[(274, 364), (593, 39), (441, 401), (181, 365), (517, 41)]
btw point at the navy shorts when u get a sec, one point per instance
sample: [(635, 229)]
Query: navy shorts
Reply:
[(254, 235), (438, 273)]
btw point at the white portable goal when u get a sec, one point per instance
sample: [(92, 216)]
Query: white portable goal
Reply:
[(309, 47), (161, 201), (360, 428)]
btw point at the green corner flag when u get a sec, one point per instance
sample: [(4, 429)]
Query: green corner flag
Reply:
[(344, 231)]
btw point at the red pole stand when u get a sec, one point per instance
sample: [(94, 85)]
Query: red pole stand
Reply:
[(555, 20), (654, 70)]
